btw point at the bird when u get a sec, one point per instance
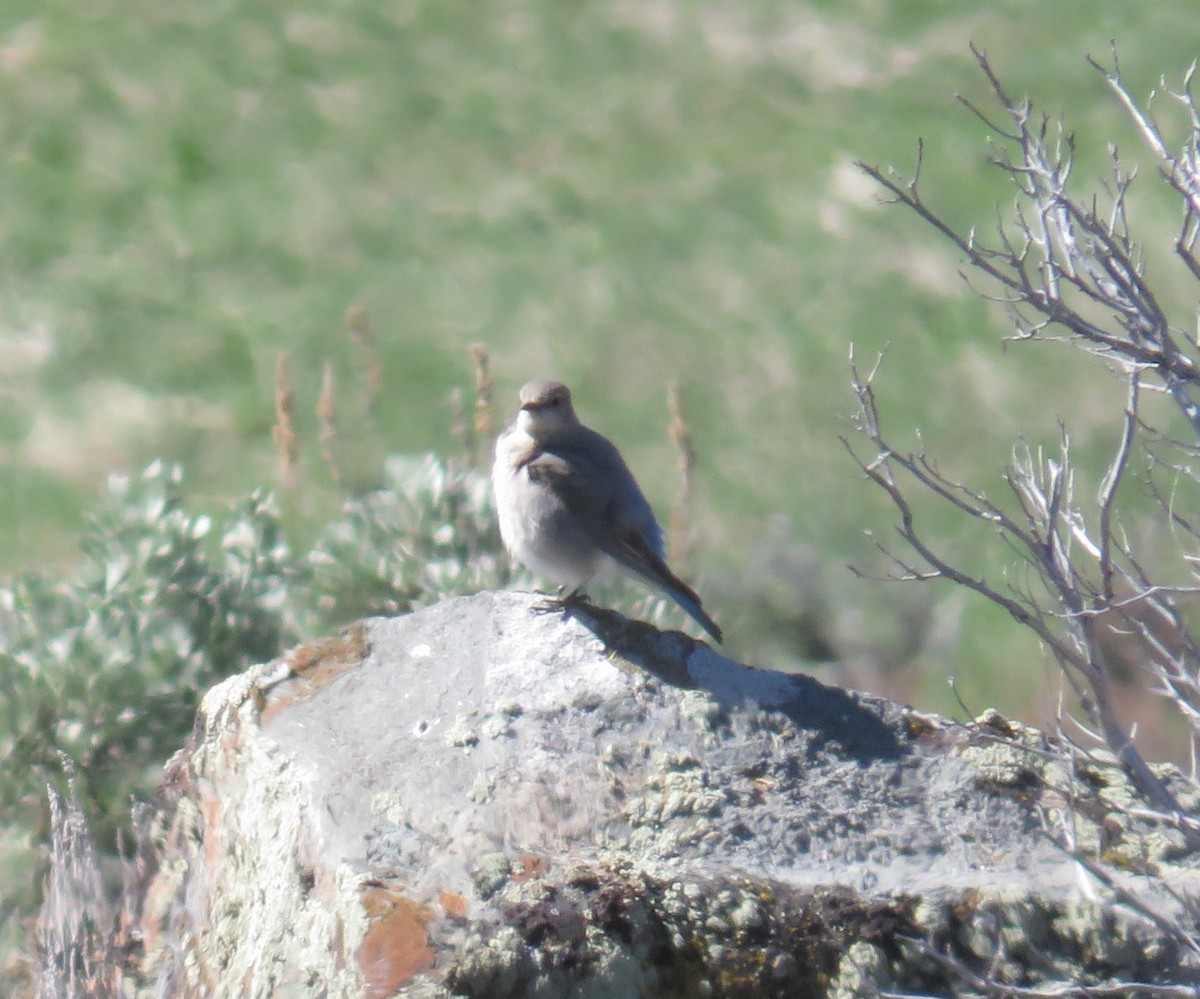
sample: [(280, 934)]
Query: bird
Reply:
[(569, 507)]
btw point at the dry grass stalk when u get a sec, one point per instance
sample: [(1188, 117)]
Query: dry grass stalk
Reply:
[(327, 424), (483, 424), (685, 451), (74, 927), (284, 431), (362, 336), (460, 429)]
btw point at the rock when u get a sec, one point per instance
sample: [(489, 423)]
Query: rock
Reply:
[(482, 800)]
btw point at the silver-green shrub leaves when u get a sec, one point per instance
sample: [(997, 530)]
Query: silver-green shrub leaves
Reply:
[(428, 533), (105, 666)]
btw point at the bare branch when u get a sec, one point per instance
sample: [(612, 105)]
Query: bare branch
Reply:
[(1108, 489), (1060, 255)]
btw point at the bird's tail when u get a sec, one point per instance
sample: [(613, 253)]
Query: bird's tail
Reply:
[(687, 599), (634, 554)]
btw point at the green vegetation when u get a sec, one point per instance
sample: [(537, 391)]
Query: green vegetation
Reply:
[(101, 672), (613, 193)]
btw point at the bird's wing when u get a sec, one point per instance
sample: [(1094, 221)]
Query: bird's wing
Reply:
[(632, 551), (627, 508), (636, 555), (588, 474), (574, 490)]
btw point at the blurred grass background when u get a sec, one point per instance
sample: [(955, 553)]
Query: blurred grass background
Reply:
[(615, 193)]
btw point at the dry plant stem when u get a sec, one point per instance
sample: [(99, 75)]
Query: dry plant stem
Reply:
[(327, 422), (284, 431), (1068, 263), (987, 986), (681, 437), (483, 423), (1067, 266), (1182, 172), (1108, 488), (358, 325), (1060, 828), (1165, 924), (1044, 538), (73, 945), (460, 429)]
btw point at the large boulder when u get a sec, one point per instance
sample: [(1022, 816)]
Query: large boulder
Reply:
[(482, 799)]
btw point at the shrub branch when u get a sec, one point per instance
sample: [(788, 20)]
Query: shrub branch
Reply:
[(1066, 266)]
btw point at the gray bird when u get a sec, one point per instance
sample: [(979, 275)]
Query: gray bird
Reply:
[(568, 504)]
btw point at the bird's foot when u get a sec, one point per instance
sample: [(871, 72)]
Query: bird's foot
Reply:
[(561, 603)]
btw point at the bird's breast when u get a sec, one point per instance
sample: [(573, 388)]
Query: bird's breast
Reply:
[(538, 531)]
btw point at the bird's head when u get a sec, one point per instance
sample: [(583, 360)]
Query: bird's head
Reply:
[(546, 409)]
